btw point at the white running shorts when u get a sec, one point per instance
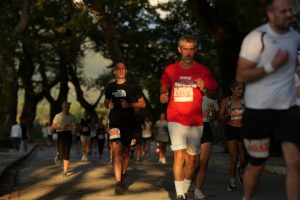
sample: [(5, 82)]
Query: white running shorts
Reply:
[(185, 137)]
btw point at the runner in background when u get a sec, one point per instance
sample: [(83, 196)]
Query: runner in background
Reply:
[(210, 114), (162, 137), (231, 111)]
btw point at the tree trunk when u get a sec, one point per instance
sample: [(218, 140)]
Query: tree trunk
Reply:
[(226, 36), (8, 93)]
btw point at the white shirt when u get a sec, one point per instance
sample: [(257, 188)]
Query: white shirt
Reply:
[(276, 90), (16, 131), (146, 133), (297, 84), (208, 107), (47, 131), (62, 120)]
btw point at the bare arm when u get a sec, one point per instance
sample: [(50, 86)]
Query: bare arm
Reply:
[(212, 94), (223, 114), (141, 103), (164, 94), (108, 103), (247, 71)]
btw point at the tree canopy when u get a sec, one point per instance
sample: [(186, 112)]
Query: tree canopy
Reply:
[(43, 43)]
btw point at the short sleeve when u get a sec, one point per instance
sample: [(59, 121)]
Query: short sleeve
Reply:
[(56, 119), (209, 81), (107, 92), (251, 46), (165, 79), (137, 91)]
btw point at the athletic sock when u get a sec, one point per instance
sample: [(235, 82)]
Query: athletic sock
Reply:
[(179, 186), (187, 184)]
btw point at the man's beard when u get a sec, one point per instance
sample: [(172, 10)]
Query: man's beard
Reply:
[(187, 60)]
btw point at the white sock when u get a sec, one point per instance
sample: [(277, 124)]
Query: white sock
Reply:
[(187, 184), (179, 186)]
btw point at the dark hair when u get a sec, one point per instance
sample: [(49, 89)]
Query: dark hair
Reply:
[(266, 4), (119, 60), (188, 38)]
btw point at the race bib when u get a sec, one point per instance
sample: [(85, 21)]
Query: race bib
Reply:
[(133, 142), (258, 148), (114, 133), (183, 94), (85, 129)]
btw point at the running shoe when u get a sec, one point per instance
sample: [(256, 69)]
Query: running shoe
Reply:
[(232, 186), (241, 174), (57, 159), (65, 174), (123, 181), (198, 194), (119, 189), (180, 197)]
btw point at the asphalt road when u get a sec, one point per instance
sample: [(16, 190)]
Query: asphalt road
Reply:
[(39, 178)]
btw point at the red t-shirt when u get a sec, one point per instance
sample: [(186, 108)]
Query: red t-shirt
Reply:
[(185, 104)]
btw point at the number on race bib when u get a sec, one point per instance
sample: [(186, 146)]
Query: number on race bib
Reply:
[(114, 133)]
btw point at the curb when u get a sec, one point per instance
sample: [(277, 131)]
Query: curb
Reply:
[(273, 166), (17, 161)]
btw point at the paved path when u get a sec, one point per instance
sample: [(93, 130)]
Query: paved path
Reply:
[(40, 178)]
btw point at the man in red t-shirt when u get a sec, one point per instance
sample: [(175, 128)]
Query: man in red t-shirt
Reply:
[(189, 81)]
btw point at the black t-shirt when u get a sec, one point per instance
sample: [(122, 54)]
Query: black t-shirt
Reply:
[(127, 91), (85, 127)]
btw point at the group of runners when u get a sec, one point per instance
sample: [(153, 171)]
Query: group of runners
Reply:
[(262, 105)]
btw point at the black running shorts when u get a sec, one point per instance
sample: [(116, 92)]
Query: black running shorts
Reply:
[(232, 133), (259, 126), (207, 133)]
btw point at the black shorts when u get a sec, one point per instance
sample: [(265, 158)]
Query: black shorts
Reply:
[(260, 126), (64, 140), (207, 133), (127, 133), (232, 133)]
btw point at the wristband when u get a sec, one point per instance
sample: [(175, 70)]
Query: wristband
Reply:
[(268, 68)]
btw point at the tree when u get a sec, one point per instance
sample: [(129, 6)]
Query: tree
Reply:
[(8, 73), (227, 22)]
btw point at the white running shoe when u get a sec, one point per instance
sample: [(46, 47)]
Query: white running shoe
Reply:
[(198, 194)]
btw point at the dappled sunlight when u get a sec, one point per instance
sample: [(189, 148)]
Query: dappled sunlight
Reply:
[(94, 179)]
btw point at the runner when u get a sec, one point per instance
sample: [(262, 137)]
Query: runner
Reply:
[(122, 97), (210, 109), (100, 134), (85, 135), (266, 64), (231, 111), (162, 137), (189, 81), (64, 123), (146, 135)]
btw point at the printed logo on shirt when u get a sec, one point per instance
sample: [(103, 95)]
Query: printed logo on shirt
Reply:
[(236, 113), (119, 93), (183, 90)]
